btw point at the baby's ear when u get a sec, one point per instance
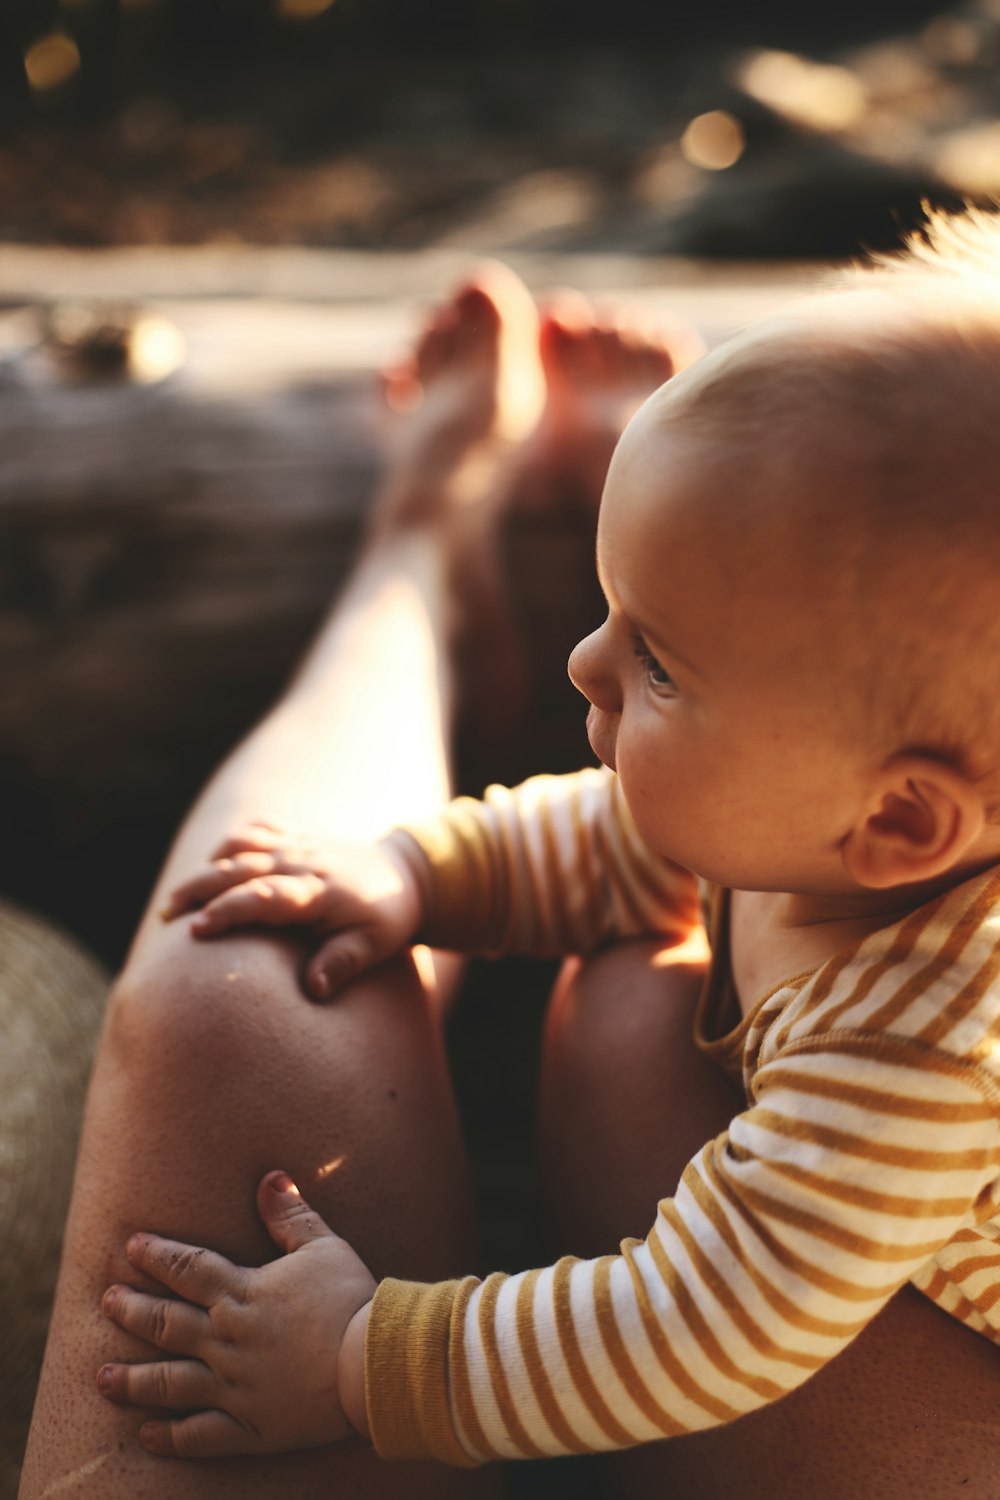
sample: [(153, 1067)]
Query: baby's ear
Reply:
[(924, 817)]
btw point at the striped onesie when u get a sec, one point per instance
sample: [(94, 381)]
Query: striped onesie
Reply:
[(868, 1155)]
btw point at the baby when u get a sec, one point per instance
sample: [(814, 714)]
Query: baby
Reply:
[(796, 700)]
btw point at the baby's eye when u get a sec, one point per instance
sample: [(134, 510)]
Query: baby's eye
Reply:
[(656, 672)]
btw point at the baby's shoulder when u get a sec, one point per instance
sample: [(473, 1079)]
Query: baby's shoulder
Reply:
[(927, 985)]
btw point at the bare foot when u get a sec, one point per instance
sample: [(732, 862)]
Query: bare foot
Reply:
[(473, 385), (529, 572), (599, 369)]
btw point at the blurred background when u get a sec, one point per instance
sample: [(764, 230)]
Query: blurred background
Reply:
[(713, 128)]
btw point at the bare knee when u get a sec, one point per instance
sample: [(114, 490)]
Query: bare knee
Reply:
[(605, 1007), (182, 1003), (184, 1007), (627, 1099), (619, 1039), (220, 1068)]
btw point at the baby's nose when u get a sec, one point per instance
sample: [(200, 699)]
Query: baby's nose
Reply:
[(591, 673)]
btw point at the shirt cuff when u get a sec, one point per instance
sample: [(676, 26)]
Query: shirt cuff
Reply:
[(406, 1370)]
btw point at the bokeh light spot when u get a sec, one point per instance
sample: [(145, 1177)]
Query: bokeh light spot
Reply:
[(952, 40), (820, 96), (714, 141), (301, 10), (969, 160), (51, 61), (157, 348)]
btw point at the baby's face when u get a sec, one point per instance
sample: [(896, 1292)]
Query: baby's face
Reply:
[(710, 683)]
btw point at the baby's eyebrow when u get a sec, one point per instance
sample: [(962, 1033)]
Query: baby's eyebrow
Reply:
[(661, 648)]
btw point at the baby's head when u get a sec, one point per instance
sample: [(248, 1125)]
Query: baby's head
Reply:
[(799, 678)]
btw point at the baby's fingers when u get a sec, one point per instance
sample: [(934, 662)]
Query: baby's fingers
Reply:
[(343, 958), (271, 900), (208, 1434), (197, 1275), (176, 1327), (256, 835), (176, 1384), (217, 877)]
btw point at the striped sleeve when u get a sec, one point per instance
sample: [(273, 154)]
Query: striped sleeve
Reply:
[(553, 866), (854, 1166)]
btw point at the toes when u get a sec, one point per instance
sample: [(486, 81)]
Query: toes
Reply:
[(400, 386), (465, 326), (566, 319), (478, 320), (659, 362), (649, 357), (570, 354), (606, 347), (614, 354), (508, 295), (436, 345)]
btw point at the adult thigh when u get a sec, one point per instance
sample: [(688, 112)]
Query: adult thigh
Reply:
[(214, 1067), (911, 1408)]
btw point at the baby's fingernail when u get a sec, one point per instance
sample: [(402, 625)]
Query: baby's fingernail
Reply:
[(105, 1378), (134, 1245), (282, 1183), (165, 913), (321, 986)]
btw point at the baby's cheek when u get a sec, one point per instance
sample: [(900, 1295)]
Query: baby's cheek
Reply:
[(654, 797)]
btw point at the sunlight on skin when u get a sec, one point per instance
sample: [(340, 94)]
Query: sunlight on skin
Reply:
[(67, 1482), (423, 962), (327, 1169), (694, 949)]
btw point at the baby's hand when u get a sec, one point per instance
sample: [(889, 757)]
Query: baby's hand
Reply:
[(369, 896), (265, 1363)]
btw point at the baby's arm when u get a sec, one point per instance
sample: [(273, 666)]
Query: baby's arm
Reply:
[(787, 1235), (550, 867), (553, 866), (272, 1358)]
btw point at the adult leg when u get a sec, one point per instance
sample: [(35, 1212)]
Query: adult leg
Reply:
[(911, 1408), (214, 1067), (531, 562)]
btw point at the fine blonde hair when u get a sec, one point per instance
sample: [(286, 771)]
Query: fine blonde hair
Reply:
[(872, 416)]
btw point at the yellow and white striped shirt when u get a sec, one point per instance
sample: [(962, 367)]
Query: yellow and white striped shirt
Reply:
[(868, 1156)]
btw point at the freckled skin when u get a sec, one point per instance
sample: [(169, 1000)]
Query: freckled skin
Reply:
[(216, 1068)]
